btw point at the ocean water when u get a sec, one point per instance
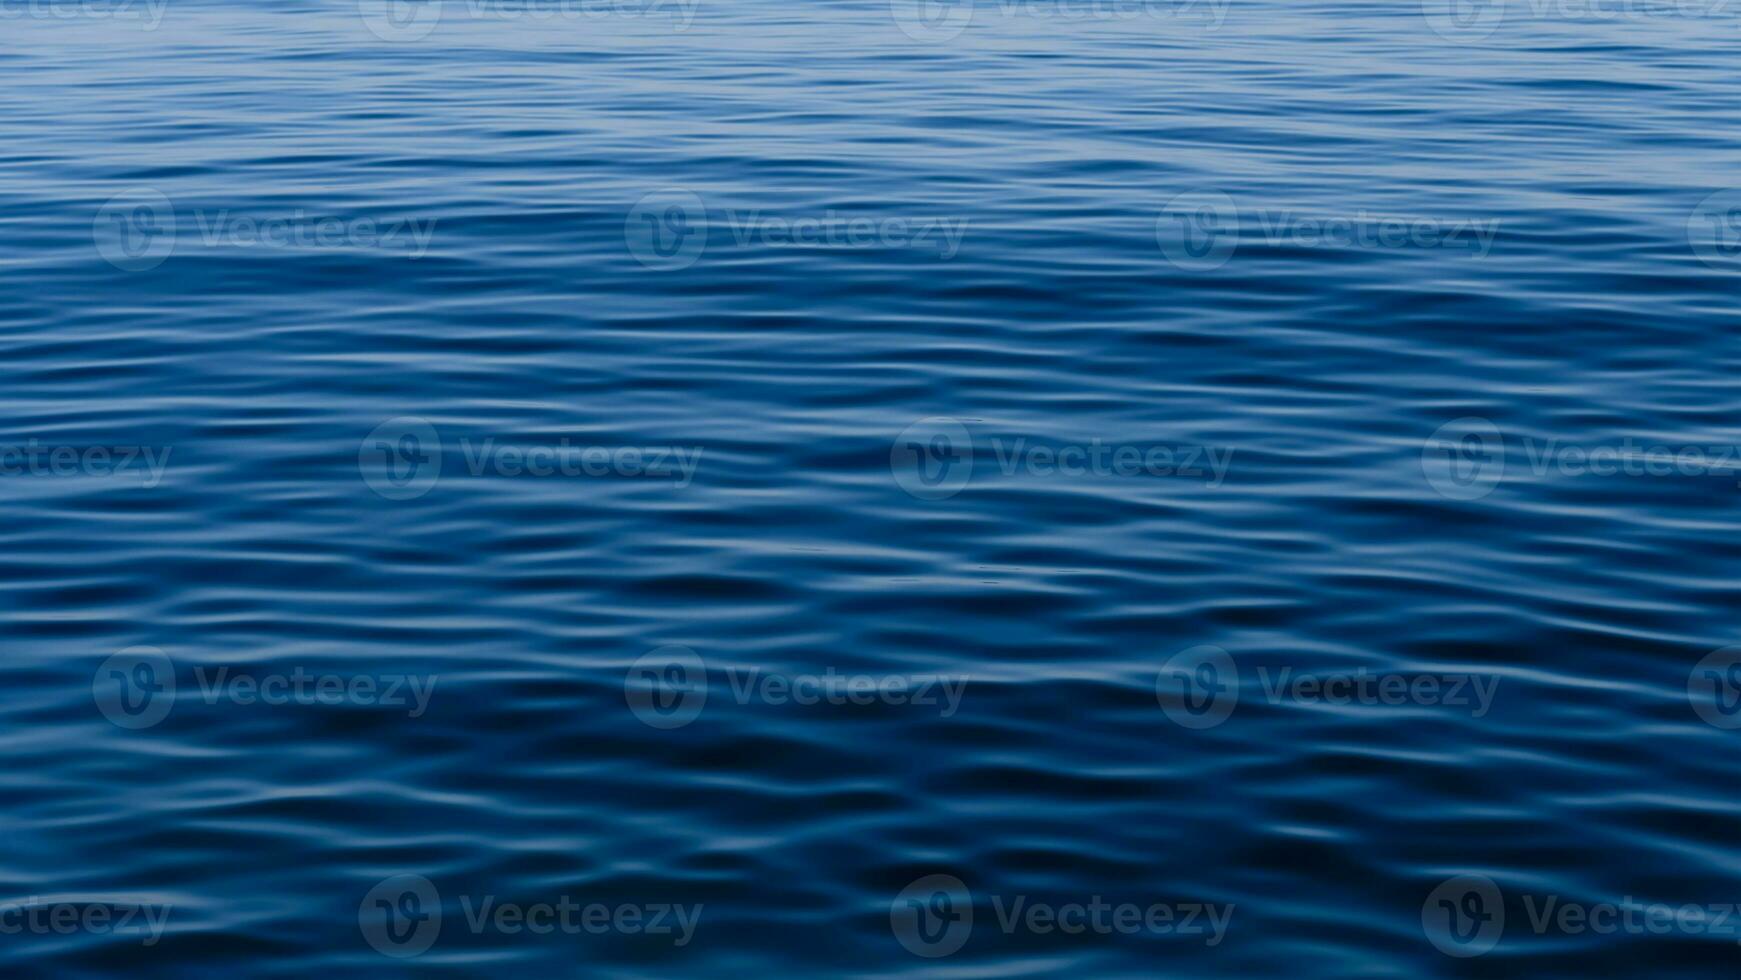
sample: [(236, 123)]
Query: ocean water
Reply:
[(841, 488)]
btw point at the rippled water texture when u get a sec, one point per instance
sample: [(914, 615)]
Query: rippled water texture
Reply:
[(511, 416)]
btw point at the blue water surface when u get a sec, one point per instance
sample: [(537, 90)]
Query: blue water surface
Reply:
[(856, 472)]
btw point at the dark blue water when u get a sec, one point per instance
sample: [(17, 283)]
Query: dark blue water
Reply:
[(1189, 490)]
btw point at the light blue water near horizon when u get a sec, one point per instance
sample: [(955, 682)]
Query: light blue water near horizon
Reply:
[(1391, 279)]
